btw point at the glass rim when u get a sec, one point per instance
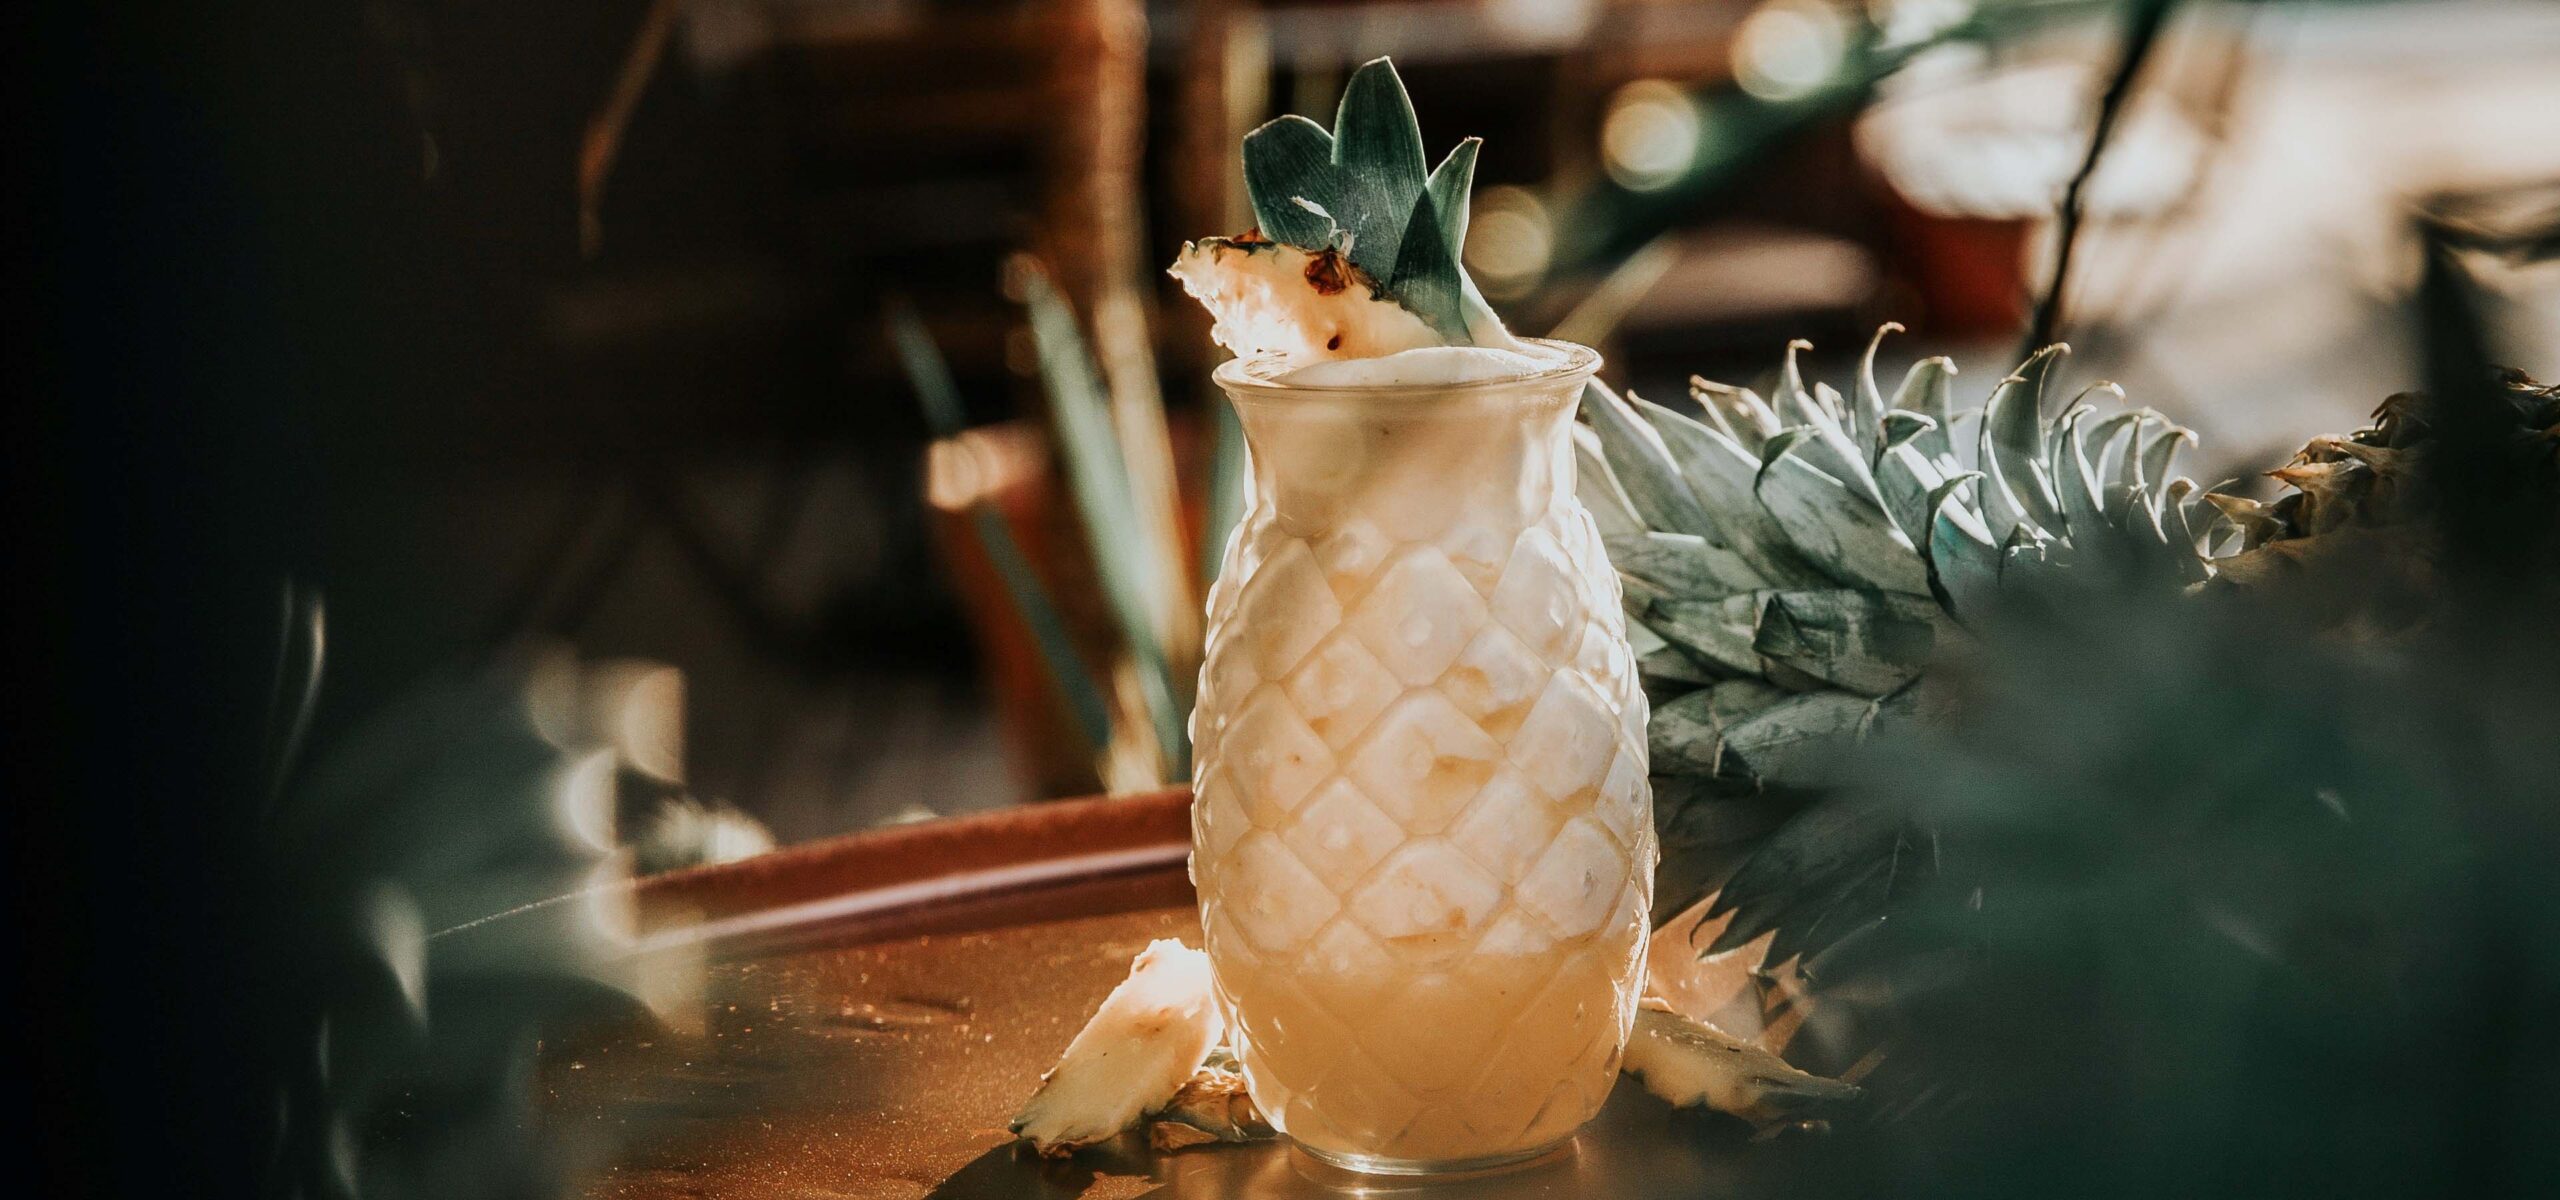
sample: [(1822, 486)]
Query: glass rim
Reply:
[(1234, 376)]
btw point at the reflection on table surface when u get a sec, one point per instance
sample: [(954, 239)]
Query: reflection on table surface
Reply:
[(890, 1070)]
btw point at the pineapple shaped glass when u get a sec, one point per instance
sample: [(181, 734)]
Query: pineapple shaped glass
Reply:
[(1423, 838)]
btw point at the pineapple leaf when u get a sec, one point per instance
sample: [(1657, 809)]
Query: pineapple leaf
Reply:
[(1870, 643), (1449, 188), (1425, 278), (1367, 182), (1287, 160)]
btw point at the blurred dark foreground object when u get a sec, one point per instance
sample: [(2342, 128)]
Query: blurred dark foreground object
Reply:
[(2245, 892)]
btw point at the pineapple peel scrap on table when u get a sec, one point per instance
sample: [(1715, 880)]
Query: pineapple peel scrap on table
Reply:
[(1155, 1049), (1134, 1057), (1688, 1063)]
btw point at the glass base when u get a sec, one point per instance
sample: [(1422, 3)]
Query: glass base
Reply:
[(1379, 1164)]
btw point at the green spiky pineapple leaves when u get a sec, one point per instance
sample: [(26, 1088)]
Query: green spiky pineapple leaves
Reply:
[(1364, 190)]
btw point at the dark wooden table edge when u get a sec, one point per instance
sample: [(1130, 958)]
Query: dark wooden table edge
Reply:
[(1045, 862)]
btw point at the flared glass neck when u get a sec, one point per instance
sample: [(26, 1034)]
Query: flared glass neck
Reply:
[(1413, 460), (1565, 367)]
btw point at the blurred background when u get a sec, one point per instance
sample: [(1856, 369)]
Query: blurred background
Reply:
[(682, 333), (647, 250), (806, 369)]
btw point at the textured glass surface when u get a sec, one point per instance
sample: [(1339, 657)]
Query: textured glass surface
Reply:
[(1423, 840)]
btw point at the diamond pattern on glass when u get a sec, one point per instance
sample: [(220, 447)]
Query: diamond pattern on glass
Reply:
[(1538, 598), (1495, 680), (1426, 899), (1576, 881), (1275, 900), (1288, 607), (1340, 834), (1519, 933), (1423, 761), (1428, 796), (1623, 803), (1507, 827), (1478, 552), (1568, 737), (1219, 820), (1351, 555), (1278, 758), (1419, 615), (1340, 688)]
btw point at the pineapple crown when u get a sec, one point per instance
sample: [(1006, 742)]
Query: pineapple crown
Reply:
[(1362, 190)]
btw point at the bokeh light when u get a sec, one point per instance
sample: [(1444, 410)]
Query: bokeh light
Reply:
[(1789, 48), (1650, 137)]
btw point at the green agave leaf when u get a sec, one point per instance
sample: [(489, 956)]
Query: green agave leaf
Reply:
[(1642, 465), (1906, 477), (1719, 474), (1845, 536), (1928, 389), (1098, 479), (1689, 732), (1642, 641), (2107, 443), (2011, 446), (1225, 502), (1827, 911), (1739, 413), (2023, 558), (1870, 643), (2157, 455), (1707, 828), (1866, 420), (1833, 452), (1719, 633), (1667, 664), (2083, 509), (2185, 528), (930, 375), (1685, 737), (1901, 429), (1795, 742), (1837, 838), (1598, 488), (1794, 401), (1962, 557), (1676, 565)]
